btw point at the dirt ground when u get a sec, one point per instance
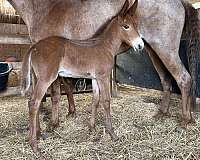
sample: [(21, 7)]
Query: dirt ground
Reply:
[(140, 136)]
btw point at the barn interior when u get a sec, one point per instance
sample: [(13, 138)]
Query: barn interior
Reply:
[(141, 136)]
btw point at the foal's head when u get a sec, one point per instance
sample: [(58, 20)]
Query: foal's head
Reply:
[(128, 33)]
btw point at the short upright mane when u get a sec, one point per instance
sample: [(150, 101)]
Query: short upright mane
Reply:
[(95, 40)]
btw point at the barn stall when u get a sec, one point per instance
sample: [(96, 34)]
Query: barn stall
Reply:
[(141, 136)]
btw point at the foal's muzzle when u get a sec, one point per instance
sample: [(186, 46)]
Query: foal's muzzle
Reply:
[(138, 44)]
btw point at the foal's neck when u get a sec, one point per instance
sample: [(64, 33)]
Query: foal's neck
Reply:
[(112, 39)]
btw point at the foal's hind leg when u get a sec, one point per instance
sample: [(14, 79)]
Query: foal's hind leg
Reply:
[(105, 95), (165, 78), (95, 103), (69, 88), (38, 93), (55, 98)]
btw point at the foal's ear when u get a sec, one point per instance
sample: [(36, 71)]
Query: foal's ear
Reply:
[(131, 11), (125, 8), (127, 5)]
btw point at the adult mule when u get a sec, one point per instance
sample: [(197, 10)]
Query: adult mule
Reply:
[(156, 21), (164, 53), (57, 56)]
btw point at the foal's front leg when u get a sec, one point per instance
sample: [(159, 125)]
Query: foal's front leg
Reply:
[(38, 93), (105, 95), (95, 103)]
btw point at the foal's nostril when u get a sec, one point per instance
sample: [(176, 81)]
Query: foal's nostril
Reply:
[(140, 46)]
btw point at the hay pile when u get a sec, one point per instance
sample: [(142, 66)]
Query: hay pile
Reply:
[(141, 137)]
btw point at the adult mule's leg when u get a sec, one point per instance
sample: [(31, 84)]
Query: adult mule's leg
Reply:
[(55, 98), (176, 68), (69, 88), (38, 93), (165, 78), (95, 103), (105, 96), (113, 83)]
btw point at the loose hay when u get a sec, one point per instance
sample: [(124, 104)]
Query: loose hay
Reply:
[(141, 137)]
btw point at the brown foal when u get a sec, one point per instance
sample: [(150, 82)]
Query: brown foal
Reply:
[(57, 56)]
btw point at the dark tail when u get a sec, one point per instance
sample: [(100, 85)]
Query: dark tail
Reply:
[(26, 72), (192, 25)]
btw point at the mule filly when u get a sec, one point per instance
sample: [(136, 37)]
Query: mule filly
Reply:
[(55, 56)]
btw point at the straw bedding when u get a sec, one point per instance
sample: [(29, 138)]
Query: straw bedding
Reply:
[(141, 136)]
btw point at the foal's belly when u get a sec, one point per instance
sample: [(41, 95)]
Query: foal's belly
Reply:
[(75, 74)]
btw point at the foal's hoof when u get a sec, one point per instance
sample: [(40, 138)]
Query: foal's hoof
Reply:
[(52, 126), (161, 115), (71, 115), (34, 147), (113, 136), (89, 110), (55, 125), (92, 128), (38, 135)]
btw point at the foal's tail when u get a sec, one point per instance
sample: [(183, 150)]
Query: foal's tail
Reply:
[(26, 72), (192, 25)]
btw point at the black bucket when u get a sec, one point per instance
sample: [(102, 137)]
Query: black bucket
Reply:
[(5, 69)]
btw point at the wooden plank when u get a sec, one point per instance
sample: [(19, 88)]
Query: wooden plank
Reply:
[(14, 39), (15, 29), (10, 91)]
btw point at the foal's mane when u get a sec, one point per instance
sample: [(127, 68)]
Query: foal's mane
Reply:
[(96, 40)]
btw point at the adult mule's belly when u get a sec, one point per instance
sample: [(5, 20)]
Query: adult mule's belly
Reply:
[(76, 20)]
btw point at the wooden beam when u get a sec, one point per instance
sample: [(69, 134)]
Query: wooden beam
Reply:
[(14, 39), (16, 29)]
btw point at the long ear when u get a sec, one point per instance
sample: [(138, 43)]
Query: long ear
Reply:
[(132, 9), (127, 5), (125, 8)]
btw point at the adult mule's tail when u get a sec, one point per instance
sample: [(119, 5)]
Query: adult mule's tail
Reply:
[(26, 72), (192, 25)]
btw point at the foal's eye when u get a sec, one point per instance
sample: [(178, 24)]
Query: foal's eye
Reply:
[(126, 27)]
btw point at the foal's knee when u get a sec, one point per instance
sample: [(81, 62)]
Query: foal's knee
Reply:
[(33, 106)]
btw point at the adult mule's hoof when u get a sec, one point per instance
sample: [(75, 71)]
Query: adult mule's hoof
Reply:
[(185, 122), (160, 115), (192, 120)]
